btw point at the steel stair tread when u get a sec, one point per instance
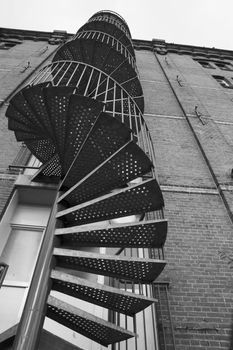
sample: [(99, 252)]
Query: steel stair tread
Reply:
[(49, 171), (95, 328), (83, 114), (64, 54), (135, 269), (126, 164), (100, 294), (14, 115), (57, 102), (36, 99), (21, 104), (106, 137), (138, 199), (72, 117), (44, 150), (150, 234), (22, 131)]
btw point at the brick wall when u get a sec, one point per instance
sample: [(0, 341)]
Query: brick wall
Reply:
[(193, 161), (199, 252), (13, 74), (178, 159)]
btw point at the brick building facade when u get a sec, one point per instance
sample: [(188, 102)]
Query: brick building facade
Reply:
[(188, 95)]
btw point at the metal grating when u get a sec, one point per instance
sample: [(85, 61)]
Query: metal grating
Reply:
[(150, 234), (35, 98), (20, 103), (57, 101), (95, 328), (133, 200), (99, 294), (44, 150), (134, 269), (83, 114), (128, 163), (22, 129), (106, 137), (15, 116), (48, 171)]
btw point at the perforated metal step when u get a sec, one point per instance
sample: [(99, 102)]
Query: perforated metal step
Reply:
[(36, 100), (133, 200), (57, 104), (95, 328), (72, 117), (128, 163), (44, 150), (49, 171), (106, 137), (147, 234), (26, 115), (134, 269), (83, 113), (99, 294), (52, 120), (22, 132), (17, 121)]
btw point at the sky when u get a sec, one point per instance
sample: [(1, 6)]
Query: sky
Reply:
[(206, 23)]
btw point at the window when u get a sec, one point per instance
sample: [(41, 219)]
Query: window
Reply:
[(223, 81), (6, 44), (206, 64), (224, 65)]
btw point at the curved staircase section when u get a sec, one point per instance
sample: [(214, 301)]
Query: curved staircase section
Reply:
[(81, 116)]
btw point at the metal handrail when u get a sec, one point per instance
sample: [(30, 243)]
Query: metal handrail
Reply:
[(41, 77)]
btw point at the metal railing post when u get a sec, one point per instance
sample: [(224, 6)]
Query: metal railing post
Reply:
[(30, 326)]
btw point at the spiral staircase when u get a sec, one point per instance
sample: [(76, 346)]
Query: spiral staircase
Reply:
[(82, 117)]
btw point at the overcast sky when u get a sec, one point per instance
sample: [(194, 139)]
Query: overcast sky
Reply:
[(206, 23)]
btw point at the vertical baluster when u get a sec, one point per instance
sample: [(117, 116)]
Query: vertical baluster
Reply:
[(122, 107), (74, 71), (63, 75), (88, 83), (130, 116), (137, 128), (106, 91), (84, 69), (114, 99)]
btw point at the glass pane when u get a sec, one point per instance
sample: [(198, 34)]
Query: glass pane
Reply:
[(11, 299), (20, 254)]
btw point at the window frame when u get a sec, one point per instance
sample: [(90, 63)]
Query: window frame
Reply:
[(223, 81)]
